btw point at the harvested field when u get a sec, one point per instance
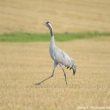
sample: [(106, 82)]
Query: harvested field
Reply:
[(24, 64), (66, 15)]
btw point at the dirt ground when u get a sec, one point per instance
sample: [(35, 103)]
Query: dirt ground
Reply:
[(66, 15), (24, 64)]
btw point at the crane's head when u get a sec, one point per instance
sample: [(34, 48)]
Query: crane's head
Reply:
[(48, 24)]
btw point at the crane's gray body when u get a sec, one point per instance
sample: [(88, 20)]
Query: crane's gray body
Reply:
[(59, 56)]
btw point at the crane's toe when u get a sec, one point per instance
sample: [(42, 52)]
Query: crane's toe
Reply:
[(37, 83)]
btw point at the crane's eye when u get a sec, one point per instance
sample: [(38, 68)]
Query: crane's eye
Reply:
[(47, 22)]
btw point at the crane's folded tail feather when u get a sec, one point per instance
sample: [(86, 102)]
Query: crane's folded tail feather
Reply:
[(74, 69)]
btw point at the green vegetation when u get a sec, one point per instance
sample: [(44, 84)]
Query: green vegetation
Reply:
[(33, 37)]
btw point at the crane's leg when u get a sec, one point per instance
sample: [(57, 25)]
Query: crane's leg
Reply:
[(64, 74), (55, 64)]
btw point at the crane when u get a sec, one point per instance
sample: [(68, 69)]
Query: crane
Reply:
[(59, 57)]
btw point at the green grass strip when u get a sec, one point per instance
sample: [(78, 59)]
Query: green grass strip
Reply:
[(36, 37)]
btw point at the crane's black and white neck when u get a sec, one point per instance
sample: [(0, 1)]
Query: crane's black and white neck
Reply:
[(52, 41), (48, 24)]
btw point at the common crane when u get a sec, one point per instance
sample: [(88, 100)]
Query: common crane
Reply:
[(59, 57)]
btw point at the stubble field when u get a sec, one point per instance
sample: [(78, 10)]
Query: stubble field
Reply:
[(66, 15), (24, 64)]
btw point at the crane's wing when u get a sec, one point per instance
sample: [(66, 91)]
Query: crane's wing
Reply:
[(62, 58)]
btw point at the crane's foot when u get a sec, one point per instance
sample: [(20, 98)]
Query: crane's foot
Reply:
[(37, 83)]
